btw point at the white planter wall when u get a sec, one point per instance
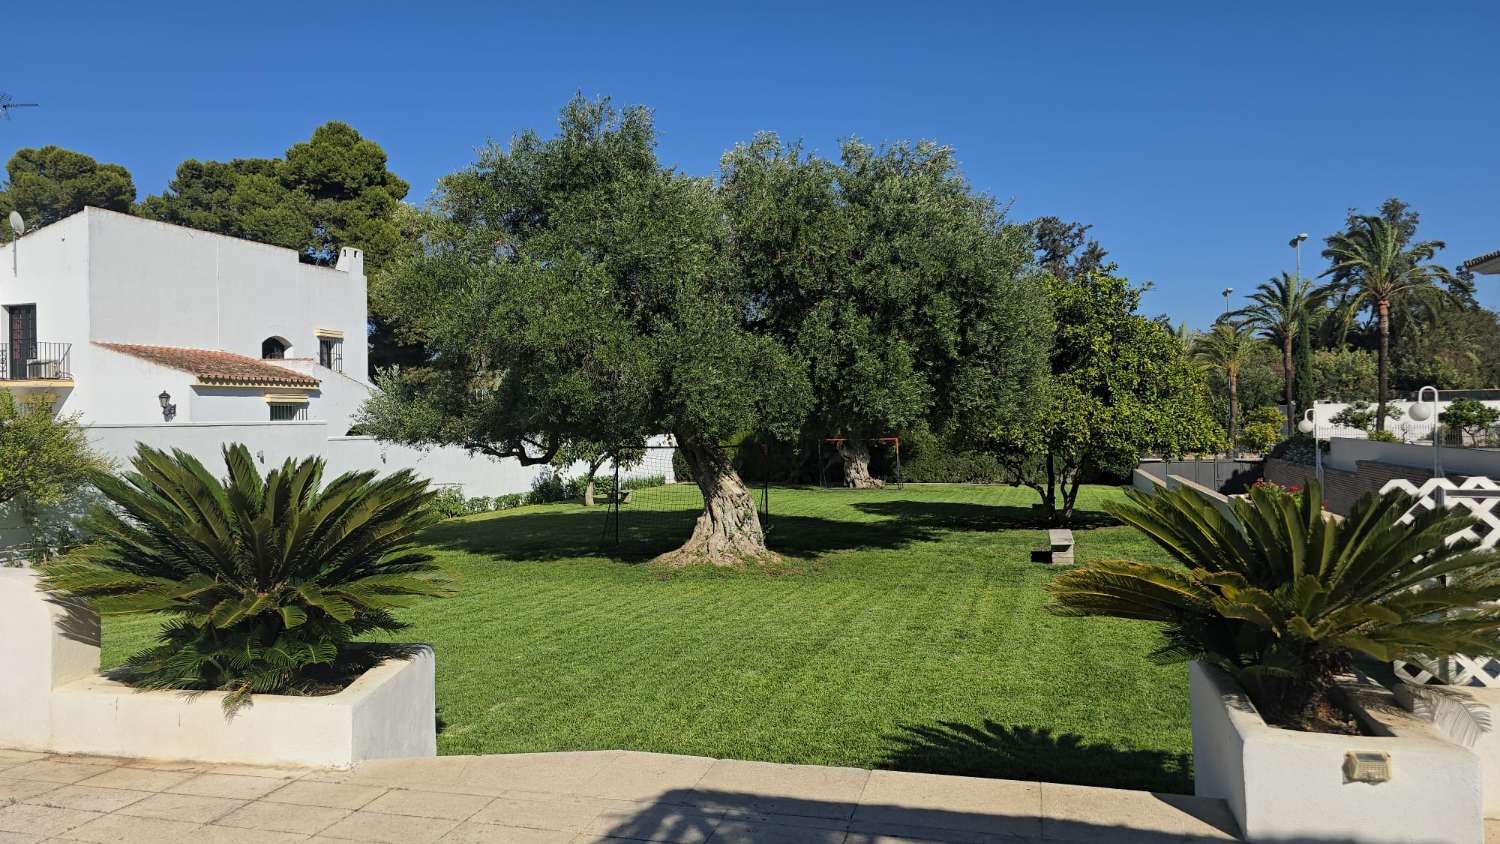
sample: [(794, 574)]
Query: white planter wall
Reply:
[(54, 700), (1284, 785)]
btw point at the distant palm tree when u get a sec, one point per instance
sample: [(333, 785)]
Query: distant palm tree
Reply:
[(1373, 267), (1227, 348), (1277, 310)]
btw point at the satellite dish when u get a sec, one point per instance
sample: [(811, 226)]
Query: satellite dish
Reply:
[(17, 224)]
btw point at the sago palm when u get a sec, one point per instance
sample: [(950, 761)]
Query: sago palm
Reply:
[(1227, 347), (1279, 308), (265, 581), (1374, 267), (1282, 597)]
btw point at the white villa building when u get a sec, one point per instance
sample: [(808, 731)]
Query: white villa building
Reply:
[(180, 338)]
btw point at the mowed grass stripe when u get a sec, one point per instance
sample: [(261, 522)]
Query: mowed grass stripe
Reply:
[(908, 632)]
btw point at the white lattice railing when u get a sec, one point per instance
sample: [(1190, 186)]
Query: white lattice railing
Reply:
[(1458, 670)]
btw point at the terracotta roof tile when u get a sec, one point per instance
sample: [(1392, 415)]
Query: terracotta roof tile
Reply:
[(215, 367), (1482, 259)]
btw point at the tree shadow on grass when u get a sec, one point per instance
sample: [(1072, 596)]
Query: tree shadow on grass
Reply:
[(569, 531), (1033, 753), (959, 515), (545, 536)]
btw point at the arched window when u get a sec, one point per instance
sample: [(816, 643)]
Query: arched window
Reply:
[(274, 348)]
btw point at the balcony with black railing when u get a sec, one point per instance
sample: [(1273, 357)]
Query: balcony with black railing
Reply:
[(35, 361)]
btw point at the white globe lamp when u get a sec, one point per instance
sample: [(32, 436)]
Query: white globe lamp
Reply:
[(1420, 412)]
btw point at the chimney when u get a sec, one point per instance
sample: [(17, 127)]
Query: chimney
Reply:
[(351, 260)]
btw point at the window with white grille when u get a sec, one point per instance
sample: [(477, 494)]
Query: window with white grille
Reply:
[(288, 412), (331, 353)]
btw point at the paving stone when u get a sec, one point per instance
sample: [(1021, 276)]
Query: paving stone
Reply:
[(88, 798), (1107, 815), (18, 838), (390, 829), (809, 790), (12, 791), (127, 829), (996, 807), (280, 772), (79, 759), (557, 773), (283, 817), (899, 834), (7, 755), (742, 832), (212, 834), (331, 794), (182, 807), (428, 804), (482, 833), (50, 770), (432, 773), (560, 813), (139, 779), (648, 776), (656, 822), (228, 785), (170, 765), (42, 820)]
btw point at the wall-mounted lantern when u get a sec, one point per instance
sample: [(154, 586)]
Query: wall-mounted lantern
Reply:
[(168, 410)]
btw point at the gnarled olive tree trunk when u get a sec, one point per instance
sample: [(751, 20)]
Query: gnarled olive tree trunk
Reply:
[(728, 531), (856, 454)]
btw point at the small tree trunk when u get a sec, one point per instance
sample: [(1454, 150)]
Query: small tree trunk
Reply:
[(856, 454), (588, 492), (1383, 309), (1234, 414), (728, 531), (1286, 369)]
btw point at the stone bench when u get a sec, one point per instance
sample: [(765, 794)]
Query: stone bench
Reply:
[(1059, 546)]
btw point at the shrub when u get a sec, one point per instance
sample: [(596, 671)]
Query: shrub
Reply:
[(1266, 415), (1298, 449), (681, 471), (1261, 437), (1283, 598), (1361, 415), (1383, 436), (1470, 417), (953, 467), (550, 487), (643, 482), (265, 581), (479, 504), (509, 502), (448, 502)]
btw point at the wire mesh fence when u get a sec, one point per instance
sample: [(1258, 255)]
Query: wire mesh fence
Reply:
[(652, 503)]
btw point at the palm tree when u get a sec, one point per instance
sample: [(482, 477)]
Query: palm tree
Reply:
[(1374, 267), (1227, 348), (1278, 309)]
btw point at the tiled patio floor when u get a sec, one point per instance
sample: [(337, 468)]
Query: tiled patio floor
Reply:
[(566, 798)]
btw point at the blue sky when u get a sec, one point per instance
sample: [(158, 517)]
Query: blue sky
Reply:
[(1196, 137)]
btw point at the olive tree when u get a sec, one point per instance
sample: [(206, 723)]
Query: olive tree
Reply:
[(572, 289), (900, 288)]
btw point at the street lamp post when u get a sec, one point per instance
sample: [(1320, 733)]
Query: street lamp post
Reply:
[(1296, 244), (1309, 425), (1420, 412), (1227, 291)]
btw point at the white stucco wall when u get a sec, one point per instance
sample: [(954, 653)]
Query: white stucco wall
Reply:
[(274, 442), (1407, 429), (51, 272), (158, 284)]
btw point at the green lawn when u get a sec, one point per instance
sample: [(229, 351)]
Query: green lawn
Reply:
[(908, 632)]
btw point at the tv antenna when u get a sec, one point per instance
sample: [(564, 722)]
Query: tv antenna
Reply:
[(6, 104)]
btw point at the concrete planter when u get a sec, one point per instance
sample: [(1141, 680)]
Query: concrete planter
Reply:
[(1470, 717), (55, 700), (1283, 785)]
